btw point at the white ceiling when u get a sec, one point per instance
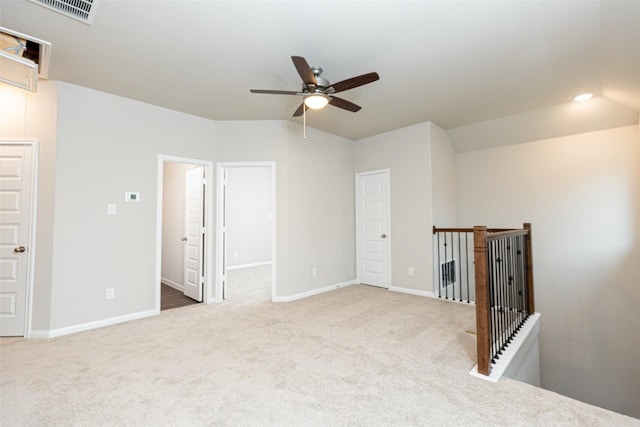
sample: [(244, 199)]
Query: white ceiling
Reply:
[(454, 63)]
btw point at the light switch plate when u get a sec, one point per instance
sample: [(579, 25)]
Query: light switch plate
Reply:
[(130, 196), (112, 209)]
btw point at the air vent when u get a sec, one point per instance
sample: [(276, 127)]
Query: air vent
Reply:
[(82, 10)]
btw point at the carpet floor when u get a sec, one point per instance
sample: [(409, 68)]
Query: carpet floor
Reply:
[(356, 356)]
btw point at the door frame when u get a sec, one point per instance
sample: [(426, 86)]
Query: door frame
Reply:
[(208, 206), (386, 172), (33, 215), (220, 268)]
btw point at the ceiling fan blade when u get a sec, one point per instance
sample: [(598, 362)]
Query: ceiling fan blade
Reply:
[(344, 104), (275, 92), (304, 70), (354, 82), (299, 111)]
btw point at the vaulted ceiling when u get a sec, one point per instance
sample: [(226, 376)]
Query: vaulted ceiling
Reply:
[(454, 63)]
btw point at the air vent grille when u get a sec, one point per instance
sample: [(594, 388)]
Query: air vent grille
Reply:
[(82, 10)]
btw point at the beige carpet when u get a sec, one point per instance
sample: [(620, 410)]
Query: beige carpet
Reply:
[(249, 285), (357, 356)]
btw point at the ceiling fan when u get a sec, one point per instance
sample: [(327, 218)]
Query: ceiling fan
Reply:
[(317, 91)]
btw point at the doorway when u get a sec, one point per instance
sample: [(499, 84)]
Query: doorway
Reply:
[(246, 232), (373, 240), (184, 259)]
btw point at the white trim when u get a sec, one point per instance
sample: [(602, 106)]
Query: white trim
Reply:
[(513, 356), (255, 264), (388, 213), (39, 334), (175, 285), (53, 333), (221, 166), (410, 291), (33, 216), (313, 292), (208, 165)]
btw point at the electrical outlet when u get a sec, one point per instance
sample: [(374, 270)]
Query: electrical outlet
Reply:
[(314, 271), (410, 271), (110, 293)]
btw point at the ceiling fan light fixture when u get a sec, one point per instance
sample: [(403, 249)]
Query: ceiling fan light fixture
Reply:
[(316, 101), (583, 97)]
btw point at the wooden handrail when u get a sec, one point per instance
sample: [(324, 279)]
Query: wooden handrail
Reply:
[(502, 234), (469, 230)]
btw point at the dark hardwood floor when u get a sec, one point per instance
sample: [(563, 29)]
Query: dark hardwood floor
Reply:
[(173, 298)]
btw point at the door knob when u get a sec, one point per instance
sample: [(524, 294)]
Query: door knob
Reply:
[(384, 236), (20, 249), (184, 239)]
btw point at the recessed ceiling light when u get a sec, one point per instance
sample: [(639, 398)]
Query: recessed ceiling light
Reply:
[(583, 97)]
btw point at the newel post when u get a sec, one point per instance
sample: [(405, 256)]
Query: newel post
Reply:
[(483, 306), (531, 300)]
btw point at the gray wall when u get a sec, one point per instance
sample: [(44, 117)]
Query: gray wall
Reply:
[(40, 123), (406, 152), (96, 146), (582, 195), (249, 216)]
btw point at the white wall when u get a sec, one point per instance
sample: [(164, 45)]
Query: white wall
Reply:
[(320, 211), (106, 146), (40, 123), (173, 223), (96, 146), (582, 195), (565, 119), (406, 152), (443, 177), (249, 214)]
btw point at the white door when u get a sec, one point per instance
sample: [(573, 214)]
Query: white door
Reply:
[(372, 228), (16, 177), (194, 233)]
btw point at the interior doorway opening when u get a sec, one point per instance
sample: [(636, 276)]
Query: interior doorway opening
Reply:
[(184, 258), (246, 232)]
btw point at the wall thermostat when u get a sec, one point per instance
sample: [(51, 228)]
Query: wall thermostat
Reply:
[(131, 197)]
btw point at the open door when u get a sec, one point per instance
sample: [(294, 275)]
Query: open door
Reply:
[(194, 233)]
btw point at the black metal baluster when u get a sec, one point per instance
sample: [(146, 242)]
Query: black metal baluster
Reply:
[(446, 270), (452, 267), (439, 267), (458, 280), (492, 300), (502, 313), (512, 319), (520, 294), (497, 290), (466, 251)]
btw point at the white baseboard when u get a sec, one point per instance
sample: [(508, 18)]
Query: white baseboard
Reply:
[(314, 292), (174, 285), (411, 291), (53, 333), (38, 334), (255, 264)]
